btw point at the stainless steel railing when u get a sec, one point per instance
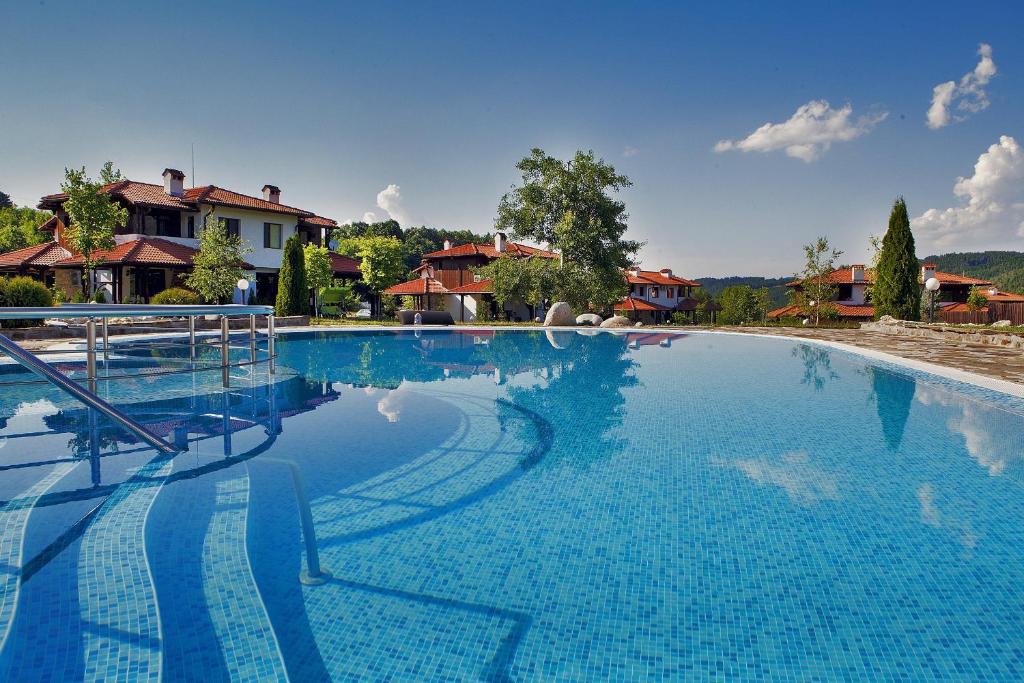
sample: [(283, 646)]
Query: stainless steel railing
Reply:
[(93, 312)]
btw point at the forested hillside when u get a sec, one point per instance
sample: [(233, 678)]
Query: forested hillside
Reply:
[(775, 285), (1004, 268)]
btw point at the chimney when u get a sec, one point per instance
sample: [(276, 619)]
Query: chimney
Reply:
[(447, 245), (635, 271), (927, 272), (857, 273), (272, 194), (499, 242), (667, 272), (174, 182)]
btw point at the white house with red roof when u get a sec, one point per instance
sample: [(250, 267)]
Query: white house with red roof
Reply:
[(155, 247), (852, 300), (446, 280), (654, 295)]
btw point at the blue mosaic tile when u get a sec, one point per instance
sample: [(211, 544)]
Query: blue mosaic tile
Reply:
[(449, 506)]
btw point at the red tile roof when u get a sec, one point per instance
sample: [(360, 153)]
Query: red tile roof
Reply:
[(51, 224), (843, 276), (634, 304), (145, 250), (344, 264), (149, 194), (419, 286), (485, 286), (654, 277), (319, 221), (961, 307), (488, 250), (211, 194), (1003, 297), (40, 255)]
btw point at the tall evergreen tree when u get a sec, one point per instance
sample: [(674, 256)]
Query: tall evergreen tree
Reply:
[(897, 291), (292, 290)]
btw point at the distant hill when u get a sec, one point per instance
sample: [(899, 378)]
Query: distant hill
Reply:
[(776, 285), (1004, 268)]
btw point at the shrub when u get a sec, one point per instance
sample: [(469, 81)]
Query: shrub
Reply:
[(24, 291), (292, 292), (99, 297), (175, 296)]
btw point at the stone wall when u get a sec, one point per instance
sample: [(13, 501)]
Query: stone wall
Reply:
[(957, 335)]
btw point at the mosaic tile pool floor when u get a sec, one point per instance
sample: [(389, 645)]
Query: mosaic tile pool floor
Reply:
[(519, 506)]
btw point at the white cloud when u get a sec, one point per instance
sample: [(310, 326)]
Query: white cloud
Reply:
[(803, 481), (369, 217), (991, 210), (390, 199), (969, 94), (630, 151), (808, 133)]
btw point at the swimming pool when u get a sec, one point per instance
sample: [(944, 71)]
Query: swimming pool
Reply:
[(480, 505)]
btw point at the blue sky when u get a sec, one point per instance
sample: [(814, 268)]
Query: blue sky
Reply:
[(336, 103)]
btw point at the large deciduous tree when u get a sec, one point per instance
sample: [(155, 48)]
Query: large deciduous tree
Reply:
[(92, 215), (19, 227), (897, 291), (569, 205), (217, 266), (5, 201), (381, 262), (818, 289), (292, 287)]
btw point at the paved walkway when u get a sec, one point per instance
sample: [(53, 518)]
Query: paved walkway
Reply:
[(983, 359)]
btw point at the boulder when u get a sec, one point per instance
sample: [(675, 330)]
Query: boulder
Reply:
[(1001, 323), (591, 319), (559, 315), (639, 324), (617, 321)]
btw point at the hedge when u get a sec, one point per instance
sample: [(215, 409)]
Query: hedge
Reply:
[(175, 296), (24, 292)]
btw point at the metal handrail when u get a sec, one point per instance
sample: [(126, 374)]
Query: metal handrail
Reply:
[(128, 311), (92, 312)]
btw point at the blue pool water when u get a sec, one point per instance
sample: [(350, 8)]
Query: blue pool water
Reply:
[(518, 506)]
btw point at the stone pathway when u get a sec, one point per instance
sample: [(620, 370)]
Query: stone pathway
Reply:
[(983, 359)]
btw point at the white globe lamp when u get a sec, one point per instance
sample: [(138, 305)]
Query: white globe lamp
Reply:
[(932, 285)]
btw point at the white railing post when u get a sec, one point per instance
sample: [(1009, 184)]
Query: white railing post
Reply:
[(90, 353), (225, 370), (192, 338), (252, 339), (271, 346)]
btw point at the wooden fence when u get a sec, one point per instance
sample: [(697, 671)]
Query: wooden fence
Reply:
[(1014, 312)]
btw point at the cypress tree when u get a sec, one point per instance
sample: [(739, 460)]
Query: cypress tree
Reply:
[(897, 291), (292, 291)]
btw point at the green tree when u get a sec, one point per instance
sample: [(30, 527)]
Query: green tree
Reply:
[(217, 266), (19, 227), (381, 262), (738, 305), (109, 174), (818, 290), (897, 291), (92, 215), (5, 201), (569, 206), (531, 281), (704, 313), (318, 271), (976, 299), (762, 303), (292, 288)]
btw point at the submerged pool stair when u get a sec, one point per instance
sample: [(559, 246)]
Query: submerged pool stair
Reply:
[(91, 312)]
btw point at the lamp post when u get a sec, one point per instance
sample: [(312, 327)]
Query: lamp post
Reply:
[(932, 285), (243, 286)]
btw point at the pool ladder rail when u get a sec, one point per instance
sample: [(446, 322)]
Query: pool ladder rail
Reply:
[(91, 312)]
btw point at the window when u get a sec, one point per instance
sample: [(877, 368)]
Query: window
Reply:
[(162, 224), (654, 292), (272, 235), (191, 226), (669, 293), (232, 225)]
